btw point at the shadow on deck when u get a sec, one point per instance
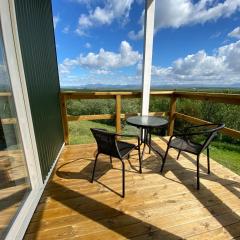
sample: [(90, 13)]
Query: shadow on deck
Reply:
[(156, 206)]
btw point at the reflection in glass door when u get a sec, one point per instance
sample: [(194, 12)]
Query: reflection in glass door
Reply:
[(14, 178)]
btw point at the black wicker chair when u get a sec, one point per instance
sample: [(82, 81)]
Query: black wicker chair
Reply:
[(183, 142), (108, 143)]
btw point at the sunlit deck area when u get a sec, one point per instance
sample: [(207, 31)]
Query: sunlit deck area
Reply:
[(156, 206)]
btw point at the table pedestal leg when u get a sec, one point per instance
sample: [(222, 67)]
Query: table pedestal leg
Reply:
[(146, 139)]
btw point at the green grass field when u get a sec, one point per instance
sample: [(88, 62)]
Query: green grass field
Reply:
[(79, 132), (226, 154)]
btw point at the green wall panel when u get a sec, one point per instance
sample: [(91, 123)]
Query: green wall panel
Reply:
[(36, 34)]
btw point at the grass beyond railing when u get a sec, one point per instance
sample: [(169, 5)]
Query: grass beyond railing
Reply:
[(172, 114)]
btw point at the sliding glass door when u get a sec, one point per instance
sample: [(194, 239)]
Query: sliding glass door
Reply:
[(20, 175), (15, 184)]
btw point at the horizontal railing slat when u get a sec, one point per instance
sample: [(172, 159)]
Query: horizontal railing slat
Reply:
[(228, 131), (91, 117), (7, 121), (5, 94), (110, 116)]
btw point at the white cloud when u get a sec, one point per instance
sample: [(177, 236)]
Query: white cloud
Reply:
[(82, 1), (67, 65), (215, 35), (221, 68), (66, 29), (231, 55), (235, 33), (112, 9), (88, 45), (136, 36), (56, 19), (103, 61), (81, 32), (102, 72), (177, 13)]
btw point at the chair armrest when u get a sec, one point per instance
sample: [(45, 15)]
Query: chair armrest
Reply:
[(201, 125), (102, 129), (188, 134), (185, 135)]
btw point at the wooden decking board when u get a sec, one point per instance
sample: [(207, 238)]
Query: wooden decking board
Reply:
[(220, 233), (68, 216), (155, 207)]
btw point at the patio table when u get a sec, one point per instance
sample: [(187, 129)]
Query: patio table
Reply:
[(147, 124)]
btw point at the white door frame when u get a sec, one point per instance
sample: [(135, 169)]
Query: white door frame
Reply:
[(16, 72)]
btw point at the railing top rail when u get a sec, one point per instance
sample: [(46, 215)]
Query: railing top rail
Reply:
[(176, 93), (206, 94), (215, 97), (97, 93), (88, 95), (114, 93)]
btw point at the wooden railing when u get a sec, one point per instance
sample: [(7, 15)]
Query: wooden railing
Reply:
[(172, 114)]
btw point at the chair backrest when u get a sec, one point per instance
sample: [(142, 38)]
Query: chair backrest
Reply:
[(210, 133), (106, 142)]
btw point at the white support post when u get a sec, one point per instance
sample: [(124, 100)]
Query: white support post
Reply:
[(147, 56)]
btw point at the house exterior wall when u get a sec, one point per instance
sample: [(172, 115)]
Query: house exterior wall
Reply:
[(36, 36)]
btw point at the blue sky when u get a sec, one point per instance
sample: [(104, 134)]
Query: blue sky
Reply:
[(196, 43)]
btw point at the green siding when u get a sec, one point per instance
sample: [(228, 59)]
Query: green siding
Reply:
[(36, 34)]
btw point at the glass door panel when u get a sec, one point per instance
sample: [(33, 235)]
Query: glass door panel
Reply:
[(15, 183)]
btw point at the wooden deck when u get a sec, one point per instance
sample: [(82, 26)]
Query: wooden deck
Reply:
[(156, 206)]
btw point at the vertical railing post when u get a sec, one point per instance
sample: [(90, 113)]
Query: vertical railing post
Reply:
[(63, 99), (172, 111), (118, 113)]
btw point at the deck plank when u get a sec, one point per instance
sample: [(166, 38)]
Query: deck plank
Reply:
[(156, 206)]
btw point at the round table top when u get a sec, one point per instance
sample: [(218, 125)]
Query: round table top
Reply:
[(147, 121)]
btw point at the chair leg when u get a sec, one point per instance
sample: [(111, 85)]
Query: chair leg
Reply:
[(198, 180), (164, 159), (94, 167), (110, 159), (178, 154), (123, 179), (208, 160)]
